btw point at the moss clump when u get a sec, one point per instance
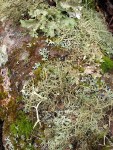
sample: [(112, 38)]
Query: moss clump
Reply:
[(107, 64), (22, 126), (3, 95), (37, 74)]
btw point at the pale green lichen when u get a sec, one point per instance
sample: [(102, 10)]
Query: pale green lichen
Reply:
[(79, 100), (70, 97), (3, 55), (49, 20), (8, 144), (44, 53), (74, 89), (16, 9), (89, 35)]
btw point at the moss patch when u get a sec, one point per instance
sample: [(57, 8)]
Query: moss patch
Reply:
[(107, 64), (21, 126)]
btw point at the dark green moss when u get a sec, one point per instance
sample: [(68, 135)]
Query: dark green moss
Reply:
[(37, 74), (107, 64), (22, 126)]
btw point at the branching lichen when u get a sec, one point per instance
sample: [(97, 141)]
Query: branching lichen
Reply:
[(79, 101)]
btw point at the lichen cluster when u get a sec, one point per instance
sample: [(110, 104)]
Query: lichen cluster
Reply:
[(78, 101), (14, 10), (71, 96), (64, 100), (3, 55)]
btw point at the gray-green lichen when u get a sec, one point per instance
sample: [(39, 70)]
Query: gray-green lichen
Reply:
[(16, 9), (3, 55)]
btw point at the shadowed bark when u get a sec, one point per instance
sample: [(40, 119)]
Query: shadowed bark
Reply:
[(106, 7), (1, 143)]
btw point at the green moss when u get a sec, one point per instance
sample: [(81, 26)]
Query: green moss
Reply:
[(37, 74), (2, 113), (107, 64), (22, 126), (19, 98), (3, 95)]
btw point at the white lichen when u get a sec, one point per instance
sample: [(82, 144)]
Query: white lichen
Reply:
[(8, 145), (3, 55)]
